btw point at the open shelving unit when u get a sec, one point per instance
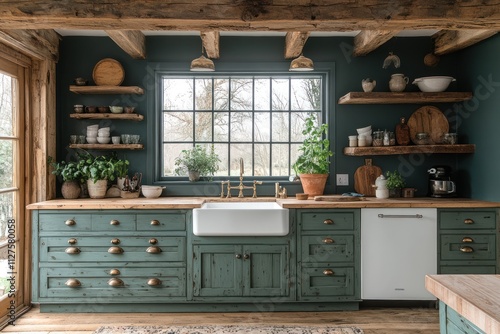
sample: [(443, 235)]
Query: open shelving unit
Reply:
[(130, 117), (106, 89), (410, 149), (108, 146), (403, 97)]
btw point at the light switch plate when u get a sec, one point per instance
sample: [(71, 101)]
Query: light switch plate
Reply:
[(342, 179)]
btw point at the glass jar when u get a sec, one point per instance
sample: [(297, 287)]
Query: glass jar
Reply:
[(422, 138), (450, 138), (378, 138)]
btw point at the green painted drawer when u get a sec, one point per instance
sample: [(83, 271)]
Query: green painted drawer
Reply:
[(328, 248), (319, 283), (96, 282), (454, 322), (65, 222), (102, 249), (465, 220), (467, 247), (326, 220), (174, 221), (113, 222), (467, 269)]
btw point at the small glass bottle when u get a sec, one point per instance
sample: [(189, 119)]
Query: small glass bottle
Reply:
[(386, 138)]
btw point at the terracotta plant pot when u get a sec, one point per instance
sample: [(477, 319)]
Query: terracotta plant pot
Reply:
[(313, 184), (70, 189), (97, 189)]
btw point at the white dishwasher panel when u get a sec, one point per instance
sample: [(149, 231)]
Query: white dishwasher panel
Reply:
[(398, 248)]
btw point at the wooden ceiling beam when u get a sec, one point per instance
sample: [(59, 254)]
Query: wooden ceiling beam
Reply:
[(38, 44), (294, 43), (368, 40), (210, 41), (228, 15), (447, 41), (132, 42)]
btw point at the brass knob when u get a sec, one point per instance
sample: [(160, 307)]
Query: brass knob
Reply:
[(246, 256), (72, 241), (153, 250), (468, 221), (115, 282), (70, 222), (73, 283), (466, 249), (238, 256), (153, 241), (328, 241), (114, 272), (115, 250), (154, 282), (114, 222), (115, 241), (328, 221), (155, 222), (328, 272), (72, 250), (467, 239)]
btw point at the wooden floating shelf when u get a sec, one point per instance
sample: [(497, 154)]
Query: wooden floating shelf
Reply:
[(106, 89), (403, 98), (108, 146), (411, 149), (130, 117)]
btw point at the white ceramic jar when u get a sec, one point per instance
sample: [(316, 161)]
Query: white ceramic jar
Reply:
[(398, 82)]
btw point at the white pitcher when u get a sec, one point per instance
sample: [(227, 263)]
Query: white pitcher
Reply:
[(398, 82)]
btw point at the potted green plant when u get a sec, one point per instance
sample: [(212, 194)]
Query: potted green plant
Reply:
[(197, 162), (97, 171), (121, 170), (313, 164), (70, 175), (395, 182)]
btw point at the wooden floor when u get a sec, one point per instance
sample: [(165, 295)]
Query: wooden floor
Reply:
[(371, 320)]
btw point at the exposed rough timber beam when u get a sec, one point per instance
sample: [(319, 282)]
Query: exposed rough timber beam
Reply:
[(210, 40), (294, 43), (368, 40), (131, 41), (39, 44), (447, 41)]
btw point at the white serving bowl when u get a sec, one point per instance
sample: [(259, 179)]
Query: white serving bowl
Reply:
[(116, 109), (91, 133), (94, 127), (433, 84), (151, 191), (103, 134), (103, 140), (91, 140), (365, 129)]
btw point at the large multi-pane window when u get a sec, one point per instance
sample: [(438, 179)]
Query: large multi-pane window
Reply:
[(257, 118)]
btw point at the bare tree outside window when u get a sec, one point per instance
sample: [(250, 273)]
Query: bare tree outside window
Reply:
[(257, 118)]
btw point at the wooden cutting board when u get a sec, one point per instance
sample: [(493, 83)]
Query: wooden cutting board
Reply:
[(108, 72), (338, 198), (431, 120), (364, 178)]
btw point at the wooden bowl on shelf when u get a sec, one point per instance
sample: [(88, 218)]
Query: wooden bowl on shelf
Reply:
[(301, 196)]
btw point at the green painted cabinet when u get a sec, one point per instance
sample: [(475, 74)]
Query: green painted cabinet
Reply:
[(467, 241), (450, 322)]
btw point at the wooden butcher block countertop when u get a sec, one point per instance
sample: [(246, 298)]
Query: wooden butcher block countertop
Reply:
[(291, 202), (475, 297)]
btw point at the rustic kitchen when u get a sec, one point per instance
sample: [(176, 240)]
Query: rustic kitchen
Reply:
[(248, 236)]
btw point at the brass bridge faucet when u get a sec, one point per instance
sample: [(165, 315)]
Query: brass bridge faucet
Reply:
[(240, 186)]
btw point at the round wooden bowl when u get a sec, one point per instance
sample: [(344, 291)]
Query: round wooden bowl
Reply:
[(301, 196), (108, 72)]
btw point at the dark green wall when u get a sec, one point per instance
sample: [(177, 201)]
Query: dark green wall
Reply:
[(80, 54)]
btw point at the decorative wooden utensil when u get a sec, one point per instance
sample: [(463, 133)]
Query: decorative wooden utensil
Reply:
[(364, 178), (108, 72)]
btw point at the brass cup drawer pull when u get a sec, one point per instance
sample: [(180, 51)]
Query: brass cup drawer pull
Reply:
[(468, 221), (328, 221), (73, 283), (114, 222), (115, 282), (70, 222), (72, 241), (467, 239), (328, 241), (153, 241), (115, 241), (114, 272), (115, 250), (466, 249), (238, 256), (328, 272), (72, 250), (155, 222), (153, 250), (246, 256), (154, 282)]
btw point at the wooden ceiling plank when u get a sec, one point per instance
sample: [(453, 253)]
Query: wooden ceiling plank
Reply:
[(210, 41), (368, 40), (294, 43), (448, 41), (39, 44), (133, 42)]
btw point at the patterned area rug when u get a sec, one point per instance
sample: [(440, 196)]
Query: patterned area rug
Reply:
[(223, 329)]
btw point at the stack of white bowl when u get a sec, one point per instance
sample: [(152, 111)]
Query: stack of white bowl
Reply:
[(365, 136), (103, 135), (92, 133)]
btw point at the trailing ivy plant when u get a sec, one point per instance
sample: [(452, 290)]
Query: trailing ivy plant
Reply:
[(315, 149)]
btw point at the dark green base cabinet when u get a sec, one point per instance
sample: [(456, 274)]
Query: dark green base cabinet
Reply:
[(450, 322), (468, 241)]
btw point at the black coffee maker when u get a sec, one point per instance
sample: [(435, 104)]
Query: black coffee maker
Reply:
[(440, 183)]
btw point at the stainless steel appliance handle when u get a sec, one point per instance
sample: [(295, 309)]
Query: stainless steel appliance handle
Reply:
[(381, 215)]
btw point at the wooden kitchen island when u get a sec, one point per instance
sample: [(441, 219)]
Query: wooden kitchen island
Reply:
[(468, 303)]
